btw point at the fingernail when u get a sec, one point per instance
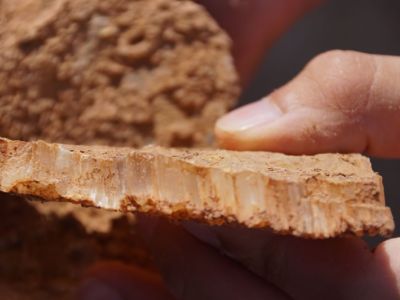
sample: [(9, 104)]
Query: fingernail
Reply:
[(252, 115), (94, 289)]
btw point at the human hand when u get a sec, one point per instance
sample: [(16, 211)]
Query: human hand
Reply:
[(341, 102)]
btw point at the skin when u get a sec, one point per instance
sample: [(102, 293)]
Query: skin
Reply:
[(342, 101)]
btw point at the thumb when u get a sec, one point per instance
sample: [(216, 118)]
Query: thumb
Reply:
[(342, 101)]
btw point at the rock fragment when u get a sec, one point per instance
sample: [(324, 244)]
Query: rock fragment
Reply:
[(317, 196)]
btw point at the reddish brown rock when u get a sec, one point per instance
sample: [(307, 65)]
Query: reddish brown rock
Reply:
[(113, 72), (318, 196)]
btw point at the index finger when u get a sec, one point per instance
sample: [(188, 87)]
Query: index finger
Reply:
[(196, 271), (342, 268)]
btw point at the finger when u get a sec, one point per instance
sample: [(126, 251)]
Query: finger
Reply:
[(254, 25), (194, 270), (387, 255), (115, 281), (341, 101), (306, 269)]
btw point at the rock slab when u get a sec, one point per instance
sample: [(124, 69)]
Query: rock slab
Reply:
[(319, 196)]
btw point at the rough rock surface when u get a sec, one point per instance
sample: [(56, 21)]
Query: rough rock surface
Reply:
[(318, 196), (115, 72)]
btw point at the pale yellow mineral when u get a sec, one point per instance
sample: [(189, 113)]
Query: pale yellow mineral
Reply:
[(317, 196)]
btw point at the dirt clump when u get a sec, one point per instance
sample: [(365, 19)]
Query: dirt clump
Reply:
[(113, 72)]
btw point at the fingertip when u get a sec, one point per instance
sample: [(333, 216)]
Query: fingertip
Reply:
[(389, 252), (295, 130), (389, 246), (291, 133), (250, 116), (387, 258), (242, 128), (320, 110)]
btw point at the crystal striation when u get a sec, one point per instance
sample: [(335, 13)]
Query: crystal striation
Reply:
[(319, 196)]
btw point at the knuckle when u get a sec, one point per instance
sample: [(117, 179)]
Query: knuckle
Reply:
[(334, 56), (337, 66), (344, 78)]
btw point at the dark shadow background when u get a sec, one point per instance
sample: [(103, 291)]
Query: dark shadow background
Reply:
[(364, 25)]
